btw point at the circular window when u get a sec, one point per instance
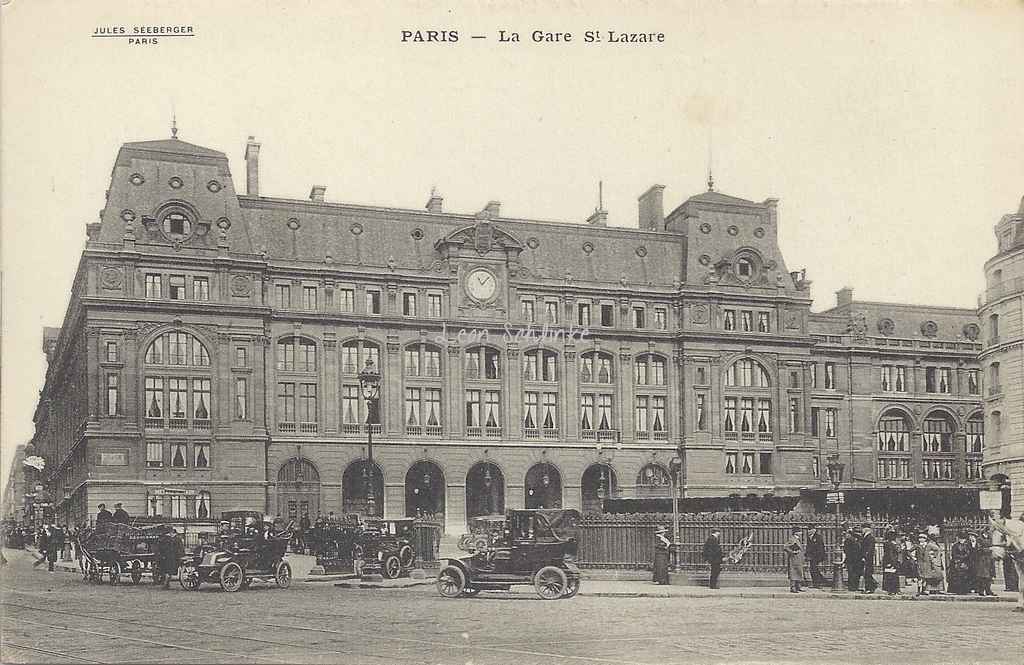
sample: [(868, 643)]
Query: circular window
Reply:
[(356, 229), (213, 186), (705, 228), (136, 179), (733, 230), (705, 259), (759, 232), (588, 247), (175, 182), (417, 234), (176, 225)]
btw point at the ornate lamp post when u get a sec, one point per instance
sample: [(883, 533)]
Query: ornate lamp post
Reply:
[(369, 385), (835, 476)]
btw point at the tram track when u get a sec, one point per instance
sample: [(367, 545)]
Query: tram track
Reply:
[(49, 652)]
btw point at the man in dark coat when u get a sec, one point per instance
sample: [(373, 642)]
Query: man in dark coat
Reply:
[(169, 551), (54, 544), (120, 514), (867, 548), (815, 555), (103, 515), (713, 555), (854, 562)]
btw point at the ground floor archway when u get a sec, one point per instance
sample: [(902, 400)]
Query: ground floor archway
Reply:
[(543, 486), (598, 483), (354, 485), (424, 490), (485, 490), (298, 490)]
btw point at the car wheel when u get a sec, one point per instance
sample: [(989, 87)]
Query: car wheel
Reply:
[(188, 578), (86, 572), (550, 582), (231, 577), (115, 573), (406, 556), (136, 573), (391, 568), (283, 575), (572, 587), (451, 582)]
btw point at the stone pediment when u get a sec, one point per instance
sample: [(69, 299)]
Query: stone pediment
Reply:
[(480, 239)]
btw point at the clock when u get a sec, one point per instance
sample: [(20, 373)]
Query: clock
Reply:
[(481, 284)]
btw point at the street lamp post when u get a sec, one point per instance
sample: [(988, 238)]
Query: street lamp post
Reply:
[(835, 475), (369, 385)]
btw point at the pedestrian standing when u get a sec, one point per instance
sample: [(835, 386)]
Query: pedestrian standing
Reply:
[(300, 535), (929, 560), (169, 554), (983, 566), (959, 565), (854, 560), (867, 549), (815, 555), (713, 556), (120, 514), (890, 564), (795, 560), (54, 544), (103, 515)]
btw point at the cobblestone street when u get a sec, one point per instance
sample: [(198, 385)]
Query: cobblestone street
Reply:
[(55, 617)]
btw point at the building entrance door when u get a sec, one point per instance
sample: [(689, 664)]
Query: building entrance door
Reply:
[(543, 487), (424, 490), (598, 483), (485, 490), (298, 490)]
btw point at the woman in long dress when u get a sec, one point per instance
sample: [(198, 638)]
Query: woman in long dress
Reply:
[(890, 564)]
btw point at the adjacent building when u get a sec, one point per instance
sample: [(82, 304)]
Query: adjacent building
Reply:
[(210, 353), (1001, 310)]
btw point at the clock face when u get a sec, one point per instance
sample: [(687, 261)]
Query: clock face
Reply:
[(481, 284)]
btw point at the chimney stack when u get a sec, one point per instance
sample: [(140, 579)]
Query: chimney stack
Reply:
[(317, 193), (599, 218), (652, 209), (252, 167), (493, 209), (436, 202), (844, 296)]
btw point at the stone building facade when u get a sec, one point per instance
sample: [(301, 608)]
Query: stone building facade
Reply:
[(209, 356), (1001, 310)]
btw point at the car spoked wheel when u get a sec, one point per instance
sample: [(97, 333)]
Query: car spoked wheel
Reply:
[(451, 582), (406, 555), (550, 582), (115, 573), (572, 586), (283, 575), (391, 567), (188, 578), (231, 577)]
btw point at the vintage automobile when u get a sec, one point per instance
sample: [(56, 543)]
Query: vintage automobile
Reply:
[(247, 549), (484, 531), (536, 547), (336, 543), (386, 546)]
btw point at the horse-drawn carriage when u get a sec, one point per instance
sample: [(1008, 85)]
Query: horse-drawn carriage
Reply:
[(247, 550), (119, 552)]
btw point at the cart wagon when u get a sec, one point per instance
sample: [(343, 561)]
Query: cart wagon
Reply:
[(115, 553)]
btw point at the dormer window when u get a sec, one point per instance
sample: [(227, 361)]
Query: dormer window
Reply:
[(177, 225), (744, 268)]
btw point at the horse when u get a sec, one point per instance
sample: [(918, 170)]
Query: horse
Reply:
[(1008, 541)]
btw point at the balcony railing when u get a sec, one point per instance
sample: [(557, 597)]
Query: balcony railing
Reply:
[(177, 423), (414, 430), (287, 427), (492, 432), (765, 437), (747, 436), (531, 433), (201, 424), (154, 423), (434, 430), (660, 435), (607, 435), (351, 428), (309, 428), (550, 432), (731, 436)]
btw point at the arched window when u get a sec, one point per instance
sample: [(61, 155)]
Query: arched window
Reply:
[(650, 420), (422, 360), (422, 413), (993, 328), (540, 402), (993, 379), (747, 373), (296, 354), (653, 478), (298, 470), (893, 432), (597, 367), (203, 510), (975, 434), (482, 373), (175, 398), (177, 348), (649, 370), (482, 364), (354, 355), (540, 365), (747, 405), (938, 433)]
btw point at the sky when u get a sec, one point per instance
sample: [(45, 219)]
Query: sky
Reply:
[(891, 133)]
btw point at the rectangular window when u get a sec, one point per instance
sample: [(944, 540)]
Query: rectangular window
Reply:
[(153, 289), (241, 399), (179, 505), (929, 380), (412, 408), (730, 415), (472, 408), (201, 455), (815, 414), (763, 322), (284, 296), (551, 311), (729, 319), (154, 454), (177, 284), (587, 412), (201, 399), (973, 382), (746, 414), (530, 366), (583, 314), (830, 376), (112, 351), (431, 363), (200, 288), (944, 383), (549, 368), (700, 376), (607, 315), (241, 357), (639, 317), (432, 408), (641, 416), (886, 378), (347, 300), (492, 414), (748, 463), (177, 393), (814, 374), (434, 305), (816, 467), (549, 417), (328, 298), (795, 414), (658, 422), (286, 402), (604, 412), (660, 320), (701, 415), (412, 362), (373, 302), (747, 321), (179, 455), (764, 416), (526, 310), (531, 409), (730, 463), (640, 372), (111, 394), (764, 464), (794, 379), (307, 403), (350, 405), (154, 397), (309, 298), (408, 304), (899, 381), (830, 423)]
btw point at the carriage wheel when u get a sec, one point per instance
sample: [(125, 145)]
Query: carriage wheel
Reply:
[(115, 573), (550, 582), (573, 587), (283, 575), (188, 578), (231, 577), (406, 555), (451, 582), (392, 567)]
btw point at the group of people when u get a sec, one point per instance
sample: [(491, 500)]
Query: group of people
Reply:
[(120, 515)]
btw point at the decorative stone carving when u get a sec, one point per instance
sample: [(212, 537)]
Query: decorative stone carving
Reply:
[(699, 314), (792, 320), (759, 232), (705, 259), (588, 248), (733, 230), (886, 326), (972, 331), (213, 186), (532, 242), (705, 228), (175, 183), (241, 286), (641, 251), (857, 326), (111, 278), (929, 329)]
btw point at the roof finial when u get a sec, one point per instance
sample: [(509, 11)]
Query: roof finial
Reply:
[(174, 125), (711, 181), (711, 159), (600, 196), (433, 191)]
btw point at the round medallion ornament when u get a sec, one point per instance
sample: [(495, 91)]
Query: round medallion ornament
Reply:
[(417, 234), (886, 326), (929, 329), (641, 251), (241, 286), (293, 224), (705, 228), (175, 182), (704, 259), (356, 229), (972, 331), (136, 179), (759, 232), (588, 247), (213, 186), (110, 278), (128, 215), (733, 230), (532, 243)]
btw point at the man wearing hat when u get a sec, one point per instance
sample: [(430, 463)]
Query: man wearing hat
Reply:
[(103, 515), (713, 555), (854, 559), (795, 563), (662, 547), (120, 514), (867, 549)]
